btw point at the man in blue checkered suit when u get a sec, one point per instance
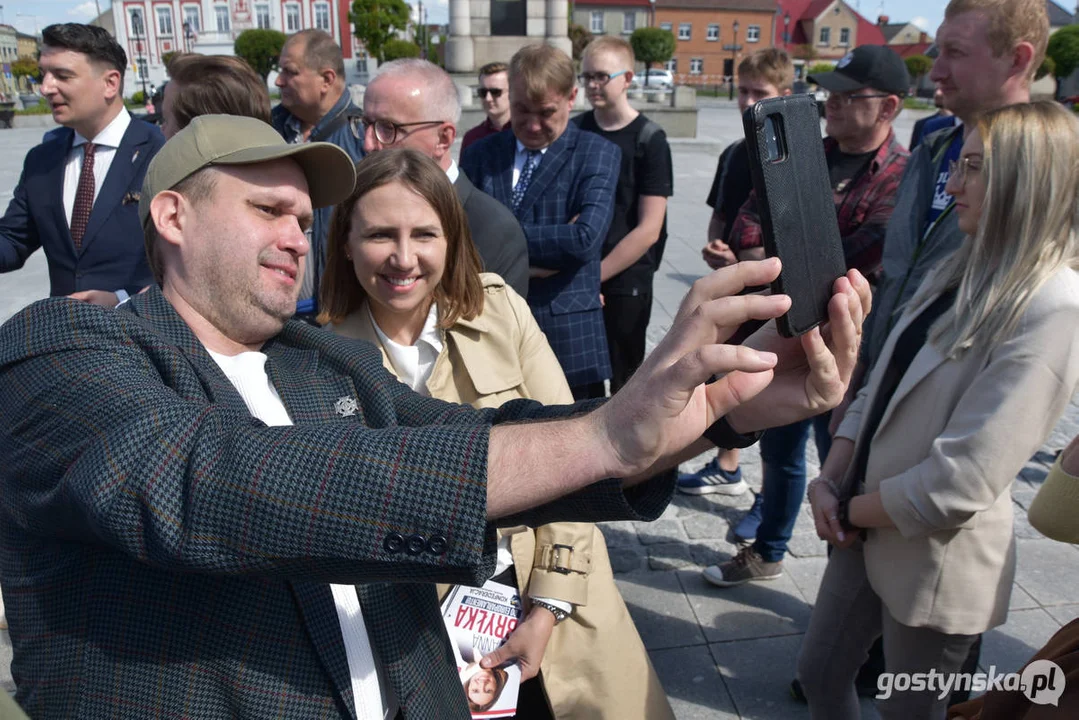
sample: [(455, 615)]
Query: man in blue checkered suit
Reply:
[(211, 511), (560, 184)]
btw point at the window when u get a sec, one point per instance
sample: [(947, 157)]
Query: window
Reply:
[(629, 23), (221, 14), (137, 28), (164, 21), (844, 36), (322, 16), (292, 18), (665, 26), (672, 65), (825, 36), (262, 17), (596, 21), (144, 69), (684, 30), (696, 66), (713, 33), (191, 18), (753, 33)]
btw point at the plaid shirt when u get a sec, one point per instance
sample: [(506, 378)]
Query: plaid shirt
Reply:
[(864, 207)]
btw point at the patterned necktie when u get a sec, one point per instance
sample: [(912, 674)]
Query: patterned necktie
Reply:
[(84, 195), (519, 190)]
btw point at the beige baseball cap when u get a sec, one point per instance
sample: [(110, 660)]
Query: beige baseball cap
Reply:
[(235, 140)]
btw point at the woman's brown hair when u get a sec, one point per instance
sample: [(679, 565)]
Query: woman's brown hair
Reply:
[(216, 85), (459, 294)]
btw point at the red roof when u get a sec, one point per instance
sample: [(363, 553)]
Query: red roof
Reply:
[(868, 33), (908, 50), (612, 3)]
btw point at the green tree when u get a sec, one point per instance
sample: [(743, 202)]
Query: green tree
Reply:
[(26, 67), (396, 49), (377, 22), (818, 68), (1048, 67), (804, 52), (579, 37), (166, 58), (260, 48), (1064, 49), (652, 45), (918, 66)]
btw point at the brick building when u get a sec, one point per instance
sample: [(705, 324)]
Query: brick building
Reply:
[(712, 36)]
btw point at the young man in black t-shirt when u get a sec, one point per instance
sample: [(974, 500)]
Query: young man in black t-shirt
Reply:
[(764, 74), (634, 244)]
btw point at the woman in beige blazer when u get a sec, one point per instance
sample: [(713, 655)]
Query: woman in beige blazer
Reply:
[(970, 383), (403, 274)]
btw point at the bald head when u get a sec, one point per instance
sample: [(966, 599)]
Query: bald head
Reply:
[(412, 103)]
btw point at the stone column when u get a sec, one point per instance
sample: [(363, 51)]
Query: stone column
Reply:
[(558, 26), (459, 50)]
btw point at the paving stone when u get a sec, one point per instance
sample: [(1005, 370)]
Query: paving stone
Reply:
[(694, 687), (706, 526), (660, 609), (624, 560), (758, 673), (753, 610), (1021, 599), (1048, 570), (1011, 645), (660, 531), (806, 573), (620, 533), (1064, 614), (803, 545), (6, 682), (1023, 494), (707, 552), (1022, 526), (669, 556)]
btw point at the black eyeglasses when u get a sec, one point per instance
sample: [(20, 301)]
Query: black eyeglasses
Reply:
[(386, 131), (844, 99), (495, 93)]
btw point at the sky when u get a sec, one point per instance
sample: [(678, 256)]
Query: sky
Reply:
[(26, 14)]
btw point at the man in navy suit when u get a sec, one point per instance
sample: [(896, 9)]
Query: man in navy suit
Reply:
[(78, 196), (559, 182)]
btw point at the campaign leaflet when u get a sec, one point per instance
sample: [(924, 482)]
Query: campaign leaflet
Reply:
[(478, 620)]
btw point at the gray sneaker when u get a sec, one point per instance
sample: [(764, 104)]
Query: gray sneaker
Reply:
[(746, 566)]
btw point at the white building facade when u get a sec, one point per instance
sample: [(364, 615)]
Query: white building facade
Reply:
[(150, 29)]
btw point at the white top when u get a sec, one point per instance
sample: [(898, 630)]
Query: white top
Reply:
[(247, 373), (414, 363), (452, 171), (519, 161), (105, 143)]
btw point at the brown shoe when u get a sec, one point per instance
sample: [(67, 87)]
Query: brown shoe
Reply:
[(746, 566)]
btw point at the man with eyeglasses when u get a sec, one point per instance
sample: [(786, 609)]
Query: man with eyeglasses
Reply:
[(494, 93), (560, 182), (413, 103), (315, 107), (865, 164)]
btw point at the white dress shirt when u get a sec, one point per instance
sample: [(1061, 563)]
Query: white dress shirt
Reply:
[(453, 171), (519, 161), (106, 142), (373, 698)]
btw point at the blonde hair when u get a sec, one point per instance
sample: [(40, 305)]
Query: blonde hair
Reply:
[(772, 65), (1010, 22), (543, 69), (611, 44), (1028, 228)]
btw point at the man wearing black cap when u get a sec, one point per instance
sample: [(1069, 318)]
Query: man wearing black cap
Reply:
[(865, 164), (213, 511)]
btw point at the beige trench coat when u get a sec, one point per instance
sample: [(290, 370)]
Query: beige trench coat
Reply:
[(595, 666)]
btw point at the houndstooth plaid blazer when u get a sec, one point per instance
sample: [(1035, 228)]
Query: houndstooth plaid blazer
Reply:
[(165, 554)]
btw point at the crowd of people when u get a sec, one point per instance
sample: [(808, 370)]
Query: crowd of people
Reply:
[(303, 370)]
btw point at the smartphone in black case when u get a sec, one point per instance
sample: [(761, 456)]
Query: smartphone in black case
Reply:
[(794, 201)]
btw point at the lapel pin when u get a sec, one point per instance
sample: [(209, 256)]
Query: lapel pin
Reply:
[(131, 197), (345, 406)]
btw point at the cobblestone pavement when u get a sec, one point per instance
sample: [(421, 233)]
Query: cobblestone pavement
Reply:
[(722, 653)]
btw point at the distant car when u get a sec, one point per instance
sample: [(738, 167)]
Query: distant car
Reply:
[(662, 79)]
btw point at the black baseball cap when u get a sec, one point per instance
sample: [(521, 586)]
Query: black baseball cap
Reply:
[(869, 66)]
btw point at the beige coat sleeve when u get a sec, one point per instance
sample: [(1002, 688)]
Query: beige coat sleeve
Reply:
[(1001, 419)]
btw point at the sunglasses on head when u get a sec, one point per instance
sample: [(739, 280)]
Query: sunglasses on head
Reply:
[(495, 92)]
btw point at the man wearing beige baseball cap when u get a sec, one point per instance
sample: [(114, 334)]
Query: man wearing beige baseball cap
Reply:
[(213, 511)]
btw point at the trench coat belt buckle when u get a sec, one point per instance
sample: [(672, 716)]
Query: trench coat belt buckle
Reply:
[(561, 559)]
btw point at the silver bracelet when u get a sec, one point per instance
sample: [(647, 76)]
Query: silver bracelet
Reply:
[(822, 480)]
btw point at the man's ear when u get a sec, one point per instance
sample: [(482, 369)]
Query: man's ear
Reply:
[(572, 97), (786, 92), (447, 133), (168, 210), (629, 77), (329, 77), (113, 83), (889, 109), (1022, 58)]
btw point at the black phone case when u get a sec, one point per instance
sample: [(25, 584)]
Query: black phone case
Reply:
[(796, 208)]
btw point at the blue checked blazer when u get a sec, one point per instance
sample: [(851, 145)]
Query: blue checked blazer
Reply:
[(577, 177), (165, 554)]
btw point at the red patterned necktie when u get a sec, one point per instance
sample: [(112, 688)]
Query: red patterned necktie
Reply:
[(84, 195)]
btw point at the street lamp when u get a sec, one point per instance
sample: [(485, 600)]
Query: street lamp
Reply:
[(188, 35), (734, 59), (136, 25), (786, 30), (653, 4)]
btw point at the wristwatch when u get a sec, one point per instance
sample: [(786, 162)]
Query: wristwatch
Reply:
[(559, 613), (722, 435), (843, 516)]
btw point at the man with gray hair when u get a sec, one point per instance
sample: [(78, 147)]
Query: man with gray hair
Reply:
[(315, 107), (413, 103)]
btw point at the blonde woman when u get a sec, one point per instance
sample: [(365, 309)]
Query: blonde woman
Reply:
[(402, 273), (970, 383)]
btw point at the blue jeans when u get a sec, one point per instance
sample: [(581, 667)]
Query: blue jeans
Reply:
[(783, 454)]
